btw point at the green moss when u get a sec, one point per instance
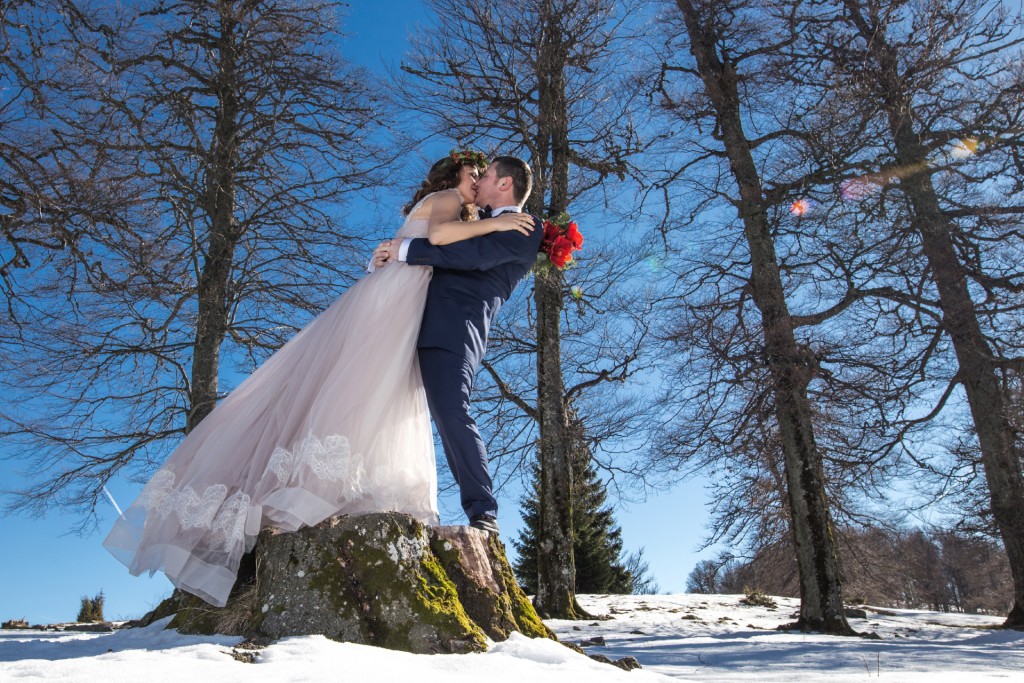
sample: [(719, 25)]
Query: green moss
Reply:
[(437, 602), (498, 614), (482, 606), (329, 578), (526, 617), (429, 594), (448, 554)]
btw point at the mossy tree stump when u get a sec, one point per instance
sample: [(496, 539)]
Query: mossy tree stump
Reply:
[(378, 579)]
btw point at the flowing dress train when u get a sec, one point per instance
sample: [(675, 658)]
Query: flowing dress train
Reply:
[(334, 422)]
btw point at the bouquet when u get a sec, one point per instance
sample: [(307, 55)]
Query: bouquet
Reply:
[(561, 238)]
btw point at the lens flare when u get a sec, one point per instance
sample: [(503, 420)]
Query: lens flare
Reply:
[(856, 188), (576, 292), (963, 148), (800, 207)]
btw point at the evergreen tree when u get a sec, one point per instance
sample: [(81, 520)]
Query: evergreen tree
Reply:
[(91, 609), (597, 541)]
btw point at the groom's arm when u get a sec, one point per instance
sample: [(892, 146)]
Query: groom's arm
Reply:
[(477, 253)]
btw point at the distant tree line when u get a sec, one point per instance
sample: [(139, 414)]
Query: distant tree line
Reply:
[(945, 571)]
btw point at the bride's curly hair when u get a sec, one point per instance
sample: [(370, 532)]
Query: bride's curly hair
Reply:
[(445, 174)]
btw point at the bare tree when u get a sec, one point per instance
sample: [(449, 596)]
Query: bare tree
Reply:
[(35, 223), (221, 138), (726, 41), (944, 83), (707, 576), (952, 83), (976, 571), (18, 65)]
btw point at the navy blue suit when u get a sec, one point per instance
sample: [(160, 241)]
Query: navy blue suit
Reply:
[(471, 281)]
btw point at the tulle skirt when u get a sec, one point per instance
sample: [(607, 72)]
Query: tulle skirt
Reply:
[(335, 422)]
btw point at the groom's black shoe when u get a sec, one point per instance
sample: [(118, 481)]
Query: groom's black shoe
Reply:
[(484, 523)]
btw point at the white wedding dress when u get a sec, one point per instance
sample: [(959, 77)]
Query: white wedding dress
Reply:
[(334, 422)]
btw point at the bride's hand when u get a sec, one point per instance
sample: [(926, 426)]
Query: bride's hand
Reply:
[(523, 222)]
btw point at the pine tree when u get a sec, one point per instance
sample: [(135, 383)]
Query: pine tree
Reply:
[(91, 609), (526, 545), (597, 541)]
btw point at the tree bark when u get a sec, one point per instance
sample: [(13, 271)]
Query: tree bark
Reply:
[(978, 370), (791, 368), (556, 564), (214, 278)]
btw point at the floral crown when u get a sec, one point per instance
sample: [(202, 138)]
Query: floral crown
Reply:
[(468, 157)]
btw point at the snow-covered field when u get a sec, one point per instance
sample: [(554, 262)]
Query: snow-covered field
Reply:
[(674, 637), (715, 638)]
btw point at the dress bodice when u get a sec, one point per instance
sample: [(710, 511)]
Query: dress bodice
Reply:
[(417, 222)]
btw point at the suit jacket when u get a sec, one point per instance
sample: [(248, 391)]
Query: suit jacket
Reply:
[(471, 280)]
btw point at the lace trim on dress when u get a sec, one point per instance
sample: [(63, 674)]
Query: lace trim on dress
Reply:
[(224, 516), (228, 527), (329, 460), (191, 509)]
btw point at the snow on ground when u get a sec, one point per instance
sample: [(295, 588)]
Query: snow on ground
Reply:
[(152, 655), (716, 638), (674, 637)]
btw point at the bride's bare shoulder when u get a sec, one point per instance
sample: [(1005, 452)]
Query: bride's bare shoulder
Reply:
[(448, 201)]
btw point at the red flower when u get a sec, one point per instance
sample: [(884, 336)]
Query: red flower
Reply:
[(572, 232), (561, 251), (551, 231), (560, 240)]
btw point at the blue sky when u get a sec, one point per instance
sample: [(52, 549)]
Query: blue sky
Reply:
[(46, 569)]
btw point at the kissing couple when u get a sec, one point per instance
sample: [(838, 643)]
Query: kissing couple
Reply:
[(337, 421)]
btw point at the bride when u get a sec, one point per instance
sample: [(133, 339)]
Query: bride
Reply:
[(335, 422)]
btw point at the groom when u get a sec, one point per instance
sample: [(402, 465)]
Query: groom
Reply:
[(471, 280)]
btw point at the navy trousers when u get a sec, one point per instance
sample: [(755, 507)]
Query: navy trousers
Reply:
[(448, 380)]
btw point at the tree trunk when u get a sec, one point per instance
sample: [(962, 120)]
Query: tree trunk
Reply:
[(790, 366), (379, 578), (978, 371), (979, 376), (556, 564), (214, 278)]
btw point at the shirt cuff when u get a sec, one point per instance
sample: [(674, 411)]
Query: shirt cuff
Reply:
[(370, 267), (403, 250)]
